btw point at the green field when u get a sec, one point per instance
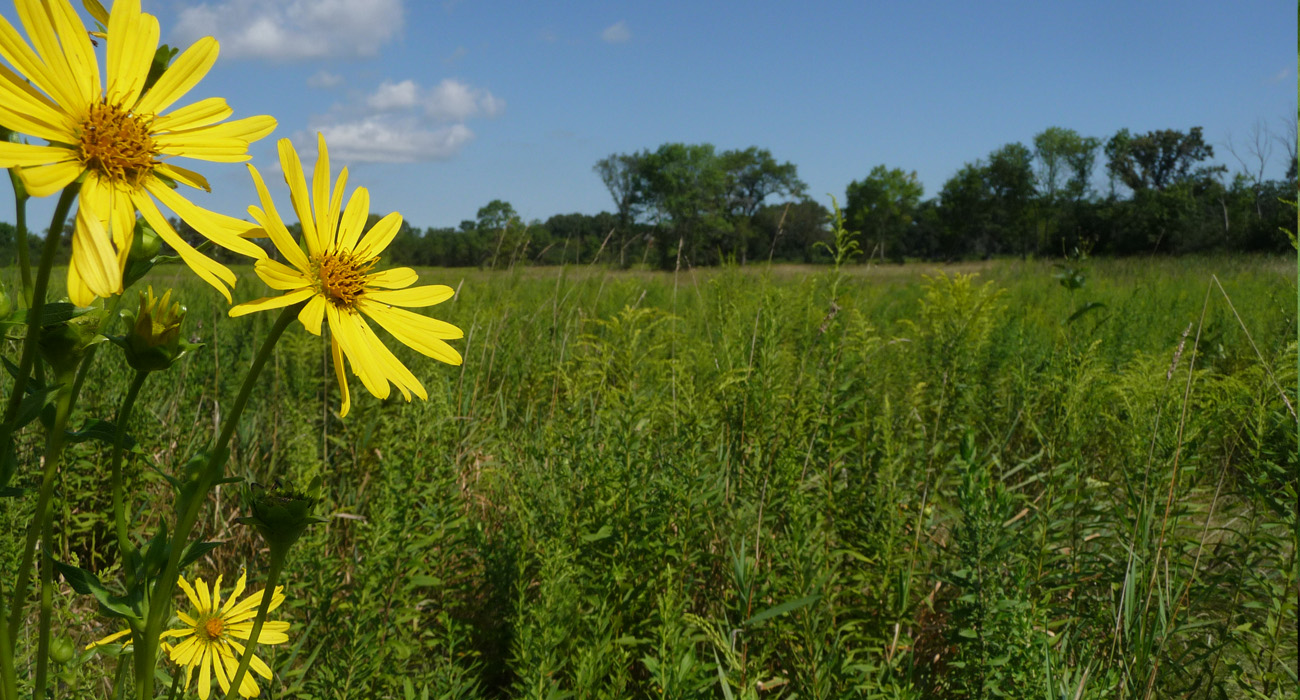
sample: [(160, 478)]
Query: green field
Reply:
[(759, 482)]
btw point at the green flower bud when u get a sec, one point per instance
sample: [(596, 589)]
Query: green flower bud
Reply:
[(62, 650), (6, 304), (64, 344), (154, 340), (280, 513), (143, 254)]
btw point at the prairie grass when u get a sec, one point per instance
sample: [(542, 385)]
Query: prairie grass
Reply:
[(907, 482)]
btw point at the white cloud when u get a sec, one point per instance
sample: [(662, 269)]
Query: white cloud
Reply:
[(404, 122), (448, 101), (389, 96), (616, 33), (324, 79), (378, 140), (293, 29)]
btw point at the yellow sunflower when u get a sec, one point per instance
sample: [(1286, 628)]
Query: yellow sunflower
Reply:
[(335, 276), (208, 637), (117, 137)]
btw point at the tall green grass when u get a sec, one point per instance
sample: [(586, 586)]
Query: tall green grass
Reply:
[(763, 482)]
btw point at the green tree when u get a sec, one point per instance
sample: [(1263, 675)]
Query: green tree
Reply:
[(685, 186), (882, 206), (1157, 159)]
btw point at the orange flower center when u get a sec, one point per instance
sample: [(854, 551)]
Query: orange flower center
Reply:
[(213, 627), (117, 144), (341, 278)]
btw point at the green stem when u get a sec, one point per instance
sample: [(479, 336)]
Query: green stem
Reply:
[(278, 554), (8, 679), (30, 343), (124, 545), (165, 584), (34, 313), (20, 234), (110, 315), (41, 527)]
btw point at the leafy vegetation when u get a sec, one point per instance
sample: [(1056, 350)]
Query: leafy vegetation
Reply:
[(780, 482)]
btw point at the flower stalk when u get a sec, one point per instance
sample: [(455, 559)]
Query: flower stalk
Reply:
[(159, 608)]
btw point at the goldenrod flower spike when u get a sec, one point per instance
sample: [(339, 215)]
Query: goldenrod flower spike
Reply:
[(336, 277), (119, 135)]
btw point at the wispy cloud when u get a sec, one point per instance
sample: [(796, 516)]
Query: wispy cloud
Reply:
[(1280, 75), (616, 33), (324, 79), (294, 29), (405, 122)]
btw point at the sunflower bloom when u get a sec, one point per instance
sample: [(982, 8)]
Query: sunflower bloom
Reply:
[(335, 275), (117, 137), (208, 637)]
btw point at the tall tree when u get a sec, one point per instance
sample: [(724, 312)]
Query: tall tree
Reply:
[(1157, 159), (1010, 178), (623, 177), (881, 207), (685, 188), (753, 175)]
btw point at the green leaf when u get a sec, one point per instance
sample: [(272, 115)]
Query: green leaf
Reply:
[(86, 583), (101, 430), (195, 550), (1090, 306), (605, 531), (781, 609)]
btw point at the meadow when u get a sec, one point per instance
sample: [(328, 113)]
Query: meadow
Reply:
[(761, 482)]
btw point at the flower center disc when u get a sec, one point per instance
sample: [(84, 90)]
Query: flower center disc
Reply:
[(341, 278), (213, 627), (117, 144)]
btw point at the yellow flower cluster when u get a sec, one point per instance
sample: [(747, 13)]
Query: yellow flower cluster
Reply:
[(115, 138)]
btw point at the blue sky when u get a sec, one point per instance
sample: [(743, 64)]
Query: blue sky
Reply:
[(441, 106)]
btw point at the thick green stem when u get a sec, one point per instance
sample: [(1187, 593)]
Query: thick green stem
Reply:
[(41, 527), (278, 554), (20, 234), (34, 313), (124, 545), (18, 597), (165, 584)]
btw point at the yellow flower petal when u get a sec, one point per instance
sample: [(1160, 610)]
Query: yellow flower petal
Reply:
[(279, 276), (354, 219), (363, 365), (44, 180), (183, 74), (313, 314), (413, 296), (108, 640), (336, 352), (320, 194), (183, 176), (274, 225), (267, 303), (25, 155), (298, 195), (130, 51), (203, 221), (94, 255), (420, 333), (393, 278), (201, 113), (207, 269), (380, 235)]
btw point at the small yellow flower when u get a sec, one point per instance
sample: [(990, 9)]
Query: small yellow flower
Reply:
[(208, 638), (117, 136), (336, 277)]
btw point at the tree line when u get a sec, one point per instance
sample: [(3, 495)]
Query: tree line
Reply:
[(690, 204)]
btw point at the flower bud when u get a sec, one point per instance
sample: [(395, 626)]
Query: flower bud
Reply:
[(154, 340), (280, 513), (64, 344)]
